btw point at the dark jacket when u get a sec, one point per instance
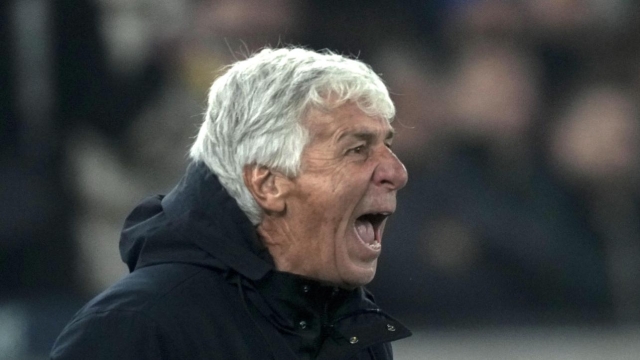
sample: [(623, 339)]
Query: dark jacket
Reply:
[(202, 286)]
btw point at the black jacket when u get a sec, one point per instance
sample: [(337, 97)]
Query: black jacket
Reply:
[(202, 286)]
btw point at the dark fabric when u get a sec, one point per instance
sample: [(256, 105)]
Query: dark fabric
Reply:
[(202, 286)]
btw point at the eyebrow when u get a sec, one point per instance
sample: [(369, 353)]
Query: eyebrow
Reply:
[(365, 135)]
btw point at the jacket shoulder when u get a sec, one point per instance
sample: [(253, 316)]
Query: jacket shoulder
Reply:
[(143, 316), (149, 288), (114, 334)]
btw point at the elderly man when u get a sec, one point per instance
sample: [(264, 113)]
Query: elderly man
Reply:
[(262, 250)]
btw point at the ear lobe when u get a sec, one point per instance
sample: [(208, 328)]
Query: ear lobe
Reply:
[(267, 187)]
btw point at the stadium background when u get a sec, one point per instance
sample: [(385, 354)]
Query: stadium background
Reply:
[(518, 236)]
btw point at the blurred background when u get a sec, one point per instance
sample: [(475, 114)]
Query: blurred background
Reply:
[(517, 237)]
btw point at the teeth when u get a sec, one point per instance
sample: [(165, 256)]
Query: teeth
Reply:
[(374, 245)]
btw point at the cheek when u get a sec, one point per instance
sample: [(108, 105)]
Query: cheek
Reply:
[(348, 182), (336, 181), (315, 212), (325, 221), (325, 213), (330, 198)]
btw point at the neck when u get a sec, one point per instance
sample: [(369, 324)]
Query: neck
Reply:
[(280, 242)]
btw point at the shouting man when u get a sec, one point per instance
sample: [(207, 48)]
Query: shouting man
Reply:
[(263, 249)]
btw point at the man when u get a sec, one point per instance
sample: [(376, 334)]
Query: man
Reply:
[(262, 250)]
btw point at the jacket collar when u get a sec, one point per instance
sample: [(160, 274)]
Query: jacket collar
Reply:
[(321, 318), (300, 302)]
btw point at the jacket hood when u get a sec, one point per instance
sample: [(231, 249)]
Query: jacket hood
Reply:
[(197, 223)]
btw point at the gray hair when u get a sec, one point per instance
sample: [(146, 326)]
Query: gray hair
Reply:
[(256, 111)]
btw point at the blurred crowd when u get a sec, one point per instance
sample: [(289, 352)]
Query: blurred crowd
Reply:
[(518, 122)]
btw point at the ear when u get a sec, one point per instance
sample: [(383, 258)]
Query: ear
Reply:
[(268, 188)]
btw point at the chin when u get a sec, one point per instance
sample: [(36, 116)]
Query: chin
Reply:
[(358, 277)]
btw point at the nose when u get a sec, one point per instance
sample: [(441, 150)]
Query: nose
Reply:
[(390, 171)]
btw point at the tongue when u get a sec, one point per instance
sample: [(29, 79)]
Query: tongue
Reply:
[(365, 231)]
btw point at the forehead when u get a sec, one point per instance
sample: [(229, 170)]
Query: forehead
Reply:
[(348, 117)]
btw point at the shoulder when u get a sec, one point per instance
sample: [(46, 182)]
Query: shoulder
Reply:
[(108, 335), (152, 287), (150, 313)]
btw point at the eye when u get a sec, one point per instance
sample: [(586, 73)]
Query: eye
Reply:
[(356, 150)]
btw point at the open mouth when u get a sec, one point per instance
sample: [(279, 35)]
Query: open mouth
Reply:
[(369, 228)]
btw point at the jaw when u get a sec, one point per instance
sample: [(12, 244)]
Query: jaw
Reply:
[(355, 274)]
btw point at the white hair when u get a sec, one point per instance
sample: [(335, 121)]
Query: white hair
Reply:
[(256, 111)]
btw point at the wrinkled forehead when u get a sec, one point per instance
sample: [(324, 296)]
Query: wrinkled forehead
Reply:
[(323, 123), (375, 104)]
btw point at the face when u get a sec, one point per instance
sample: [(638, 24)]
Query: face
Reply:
[(336, 209)]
